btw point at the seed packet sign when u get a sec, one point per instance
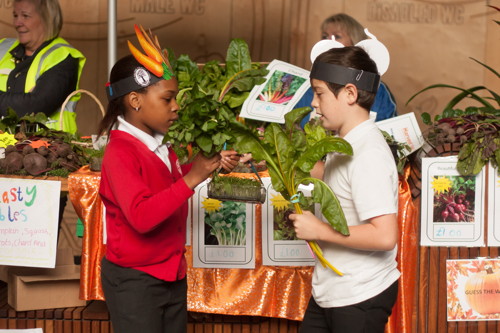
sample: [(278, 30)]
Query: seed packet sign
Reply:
[(280, 245), (452, 204), (493, 206), (223, 232), (284, 86), (29, 211), (473, 289)]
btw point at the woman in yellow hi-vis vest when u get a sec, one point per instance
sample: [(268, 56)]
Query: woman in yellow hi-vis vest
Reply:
[(39, 69)]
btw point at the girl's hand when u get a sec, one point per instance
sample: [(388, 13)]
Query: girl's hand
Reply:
[(230, 159), (202, 168), (307, 225)]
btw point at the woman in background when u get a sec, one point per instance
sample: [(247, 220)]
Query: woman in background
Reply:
[(39, 69)]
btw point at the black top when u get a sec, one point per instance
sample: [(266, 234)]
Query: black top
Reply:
[(52, 87)]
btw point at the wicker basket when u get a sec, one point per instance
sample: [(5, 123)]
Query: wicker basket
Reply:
[(61, 117)]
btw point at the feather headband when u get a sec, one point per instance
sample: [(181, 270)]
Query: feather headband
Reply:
[(155, 62)]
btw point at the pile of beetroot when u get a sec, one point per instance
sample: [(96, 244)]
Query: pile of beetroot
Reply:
[(42, 156)]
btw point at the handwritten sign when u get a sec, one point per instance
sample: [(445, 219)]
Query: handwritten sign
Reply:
[(29, 212), (403, 129)]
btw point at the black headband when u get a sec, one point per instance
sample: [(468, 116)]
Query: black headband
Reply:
[(363, 80), (142, 78)]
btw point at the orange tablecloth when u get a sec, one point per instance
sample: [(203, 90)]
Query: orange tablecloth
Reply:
[(268, 291)]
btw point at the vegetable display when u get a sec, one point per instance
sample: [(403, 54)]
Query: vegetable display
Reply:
[(210, 98), (290, 155), (38, 150)]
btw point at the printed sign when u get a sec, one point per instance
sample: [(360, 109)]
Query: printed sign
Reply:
[(493, 206), (452, 205), (29, 213), (473, 292), (223, 232), (280, 245), (284, 86)]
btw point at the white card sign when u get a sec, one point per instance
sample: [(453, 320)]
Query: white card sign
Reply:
[(284, 86), (403, 129), (29, 213), (223, 232), (493, 206), (280, 245), (452, 204)]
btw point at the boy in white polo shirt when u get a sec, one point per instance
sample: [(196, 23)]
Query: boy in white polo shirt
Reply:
[(345, 82)]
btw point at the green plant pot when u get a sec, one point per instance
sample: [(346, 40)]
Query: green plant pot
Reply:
[(224, 189)]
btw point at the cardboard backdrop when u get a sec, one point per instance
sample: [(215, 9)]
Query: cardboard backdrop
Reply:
[(430, 41)]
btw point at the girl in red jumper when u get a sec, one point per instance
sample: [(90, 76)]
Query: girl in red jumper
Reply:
[(146, 191)]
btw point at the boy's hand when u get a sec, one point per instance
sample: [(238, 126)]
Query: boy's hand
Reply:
[(307, 225), (230, 159)]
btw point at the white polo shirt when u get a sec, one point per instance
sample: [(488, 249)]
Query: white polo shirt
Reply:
[(366, 185)]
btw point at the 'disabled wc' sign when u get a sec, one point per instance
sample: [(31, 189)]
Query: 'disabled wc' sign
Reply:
[(29, 212)]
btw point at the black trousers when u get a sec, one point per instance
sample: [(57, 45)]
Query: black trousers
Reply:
[(139, 302), (369, 316)]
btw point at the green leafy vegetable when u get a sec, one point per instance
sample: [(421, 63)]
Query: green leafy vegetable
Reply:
[(211, 97), (290, 155)]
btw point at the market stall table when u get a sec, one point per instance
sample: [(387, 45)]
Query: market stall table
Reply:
[(267, 291)]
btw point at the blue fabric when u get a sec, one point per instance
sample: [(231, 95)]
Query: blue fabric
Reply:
[(384, 104)]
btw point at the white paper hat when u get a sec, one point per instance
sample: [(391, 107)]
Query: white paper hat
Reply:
[(375, 49)]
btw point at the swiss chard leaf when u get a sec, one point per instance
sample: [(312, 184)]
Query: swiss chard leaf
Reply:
[(295, 116), (237, 57), (330, 206), (329, 144)]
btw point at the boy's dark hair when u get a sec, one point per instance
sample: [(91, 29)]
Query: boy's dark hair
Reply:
[(122, 69), (354, 57)]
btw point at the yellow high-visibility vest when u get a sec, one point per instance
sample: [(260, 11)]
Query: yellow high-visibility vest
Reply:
[(48, 57)]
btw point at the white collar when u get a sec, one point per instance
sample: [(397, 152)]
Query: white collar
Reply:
[(152, 142)]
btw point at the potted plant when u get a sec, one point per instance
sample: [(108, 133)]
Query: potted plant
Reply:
[(290, 155), (475, 130)]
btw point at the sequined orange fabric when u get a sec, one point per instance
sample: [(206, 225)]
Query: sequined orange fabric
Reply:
[(401, 319), (268, 291), (83, 188)]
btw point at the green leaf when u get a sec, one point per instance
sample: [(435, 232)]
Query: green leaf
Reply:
[(237, 57), (473, 163), (276, 137), (426, 118), (330, 206), (205, 143), (295, 116), (329, 144)]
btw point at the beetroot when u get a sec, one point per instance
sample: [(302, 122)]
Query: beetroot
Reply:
[(13, 162), (35, 164)]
